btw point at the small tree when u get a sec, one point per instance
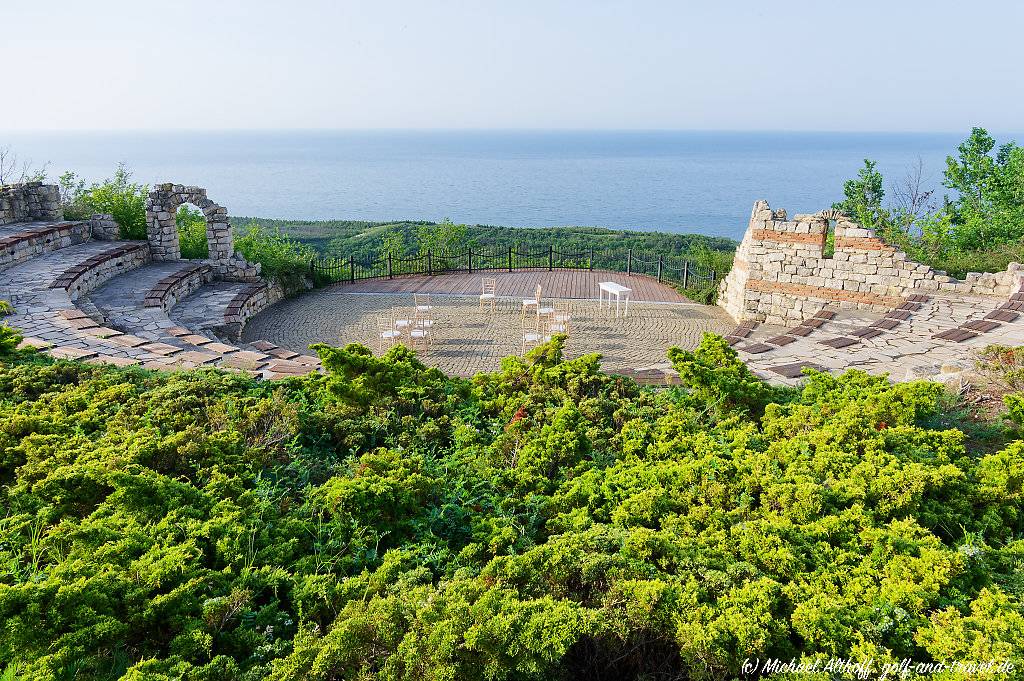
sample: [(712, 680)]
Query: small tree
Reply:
[(863, 197)]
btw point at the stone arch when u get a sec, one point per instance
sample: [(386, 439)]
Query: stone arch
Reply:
[(162, 229)]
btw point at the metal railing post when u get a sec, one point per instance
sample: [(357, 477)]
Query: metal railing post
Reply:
[(352, 269), (629, 261), (661, 261), (470, 259), (430, 264), (551, 258), (509, 258), (391, 270), (686, 273)]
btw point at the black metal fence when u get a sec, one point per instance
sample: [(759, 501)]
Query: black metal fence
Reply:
[(664, 268)]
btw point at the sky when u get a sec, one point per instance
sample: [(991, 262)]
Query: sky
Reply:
[(866, 65)]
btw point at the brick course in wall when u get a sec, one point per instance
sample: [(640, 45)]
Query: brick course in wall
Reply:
[(781, 275)]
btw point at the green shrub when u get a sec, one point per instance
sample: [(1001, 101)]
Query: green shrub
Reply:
[(546, 521), (117, 196), (278, 254), (192, 233)]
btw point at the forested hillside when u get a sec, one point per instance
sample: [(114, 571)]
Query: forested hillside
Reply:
[(344, 237), (547, 521)]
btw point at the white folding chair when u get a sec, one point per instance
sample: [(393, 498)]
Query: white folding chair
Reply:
[(487, 292), (401, 323), (386, 333), (422, 302), (532, 336), (532, 302), (559, 319)]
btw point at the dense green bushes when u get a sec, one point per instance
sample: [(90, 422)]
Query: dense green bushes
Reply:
[(545, 521)]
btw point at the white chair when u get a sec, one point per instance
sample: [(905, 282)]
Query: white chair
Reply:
[(558, 319), (422, 302), (402, 324), (563, 315), (420, 336), (387, 333), (532, 302), (532, 336), (487, 292)]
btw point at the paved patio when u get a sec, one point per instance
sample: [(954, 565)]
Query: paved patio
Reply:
[(468, 340)]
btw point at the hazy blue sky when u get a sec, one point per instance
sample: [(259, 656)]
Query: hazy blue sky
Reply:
[(825, 65)]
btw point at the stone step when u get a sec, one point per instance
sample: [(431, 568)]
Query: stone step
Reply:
[(23, 241)]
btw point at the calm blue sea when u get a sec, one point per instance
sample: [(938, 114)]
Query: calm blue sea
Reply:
[(675, 181)]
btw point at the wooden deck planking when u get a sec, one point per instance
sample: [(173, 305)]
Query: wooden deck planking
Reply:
[(578, 284)]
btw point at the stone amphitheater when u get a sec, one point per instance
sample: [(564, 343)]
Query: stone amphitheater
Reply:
[(79, 292)]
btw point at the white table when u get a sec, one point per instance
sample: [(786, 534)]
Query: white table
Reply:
[(613, 289)]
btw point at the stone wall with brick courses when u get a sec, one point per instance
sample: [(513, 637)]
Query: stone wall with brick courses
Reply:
[(248, 303), (178, 286), (36, 240), (780, 274), (100, 268), (29, 201)]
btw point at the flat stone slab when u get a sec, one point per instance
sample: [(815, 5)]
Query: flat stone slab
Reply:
[(161, 348), (70, 353), (794, 370), (955, 335), (197, 357), (113, 361), (780, 340), (980, 325), (839, 342), (1003, 315), (220, 348)]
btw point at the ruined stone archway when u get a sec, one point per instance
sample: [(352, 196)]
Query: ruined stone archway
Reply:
[(162, 228)]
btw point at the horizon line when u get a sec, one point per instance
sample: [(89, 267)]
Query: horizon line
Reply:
[(22, 131)]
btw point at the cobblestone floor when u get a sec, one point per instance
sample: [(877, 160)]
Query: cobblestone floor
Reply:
[(468, 340)]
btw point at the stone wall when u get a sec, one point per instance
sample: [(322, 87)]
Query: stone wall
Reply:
[(41, 239), (248, 303), (28, 202), (162, 229), (781, 275), (104, 228)]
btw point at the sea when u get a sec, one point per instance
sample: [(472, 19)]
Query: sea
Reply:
[(674, 181)]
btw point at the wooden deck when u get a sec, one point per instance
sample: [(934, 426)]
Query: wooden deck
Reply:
[(577, 284)]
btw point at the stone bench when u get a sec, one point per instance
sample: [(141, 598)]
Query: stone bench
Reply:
[(174, 287), (35, 240), (249, 301), (87, 275)]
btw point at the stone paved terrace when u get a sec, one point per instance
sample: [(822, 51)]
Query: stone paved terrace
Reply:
[(468, 340), (935, 337)]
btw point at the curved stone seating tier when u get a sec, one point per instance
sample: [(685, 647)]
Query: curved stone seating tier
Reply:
[(106, 301), (225, 307), (21, 241), (178, 285), (83, 277), (249, 301)]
